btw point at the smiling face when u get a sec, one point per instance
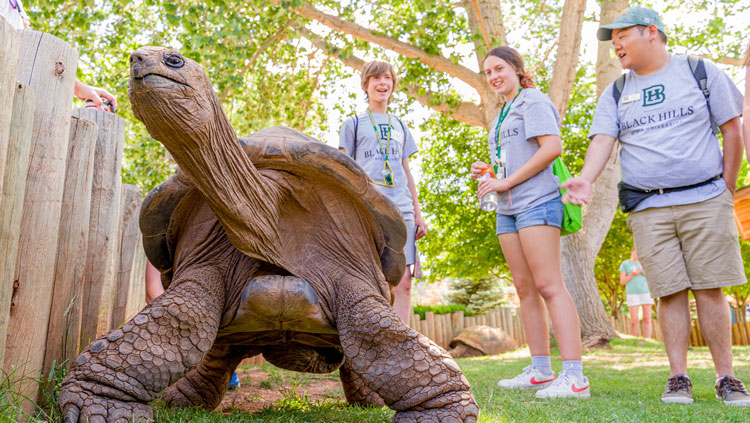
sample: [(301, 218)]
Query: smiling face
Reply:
[(501, 76), (631, 46), (380, 88), (170, 93)]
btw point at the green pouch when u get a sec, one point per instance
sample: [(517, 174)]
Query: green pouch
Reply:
[(572, 217)]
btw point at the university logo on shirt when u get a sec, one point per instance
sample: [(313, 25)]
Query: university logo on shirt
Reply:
[(385, 129), (653, 95)]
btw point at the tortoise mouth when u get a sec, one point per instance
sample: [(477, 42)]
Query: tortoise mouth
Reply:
[(155, 80)]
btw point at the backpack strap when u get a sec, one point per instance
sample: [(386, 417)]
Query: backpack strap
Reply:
[(698, 69), (617, 89), (355, 118)]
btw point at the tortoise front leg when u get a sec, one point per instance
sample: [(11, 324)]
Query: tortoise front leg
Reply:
[(408, 371), (355, 390), (118, 374)]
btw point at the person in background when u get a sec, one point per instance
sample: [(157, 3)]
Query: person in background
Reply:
[(636, 291), (14, 14), (382, 144)]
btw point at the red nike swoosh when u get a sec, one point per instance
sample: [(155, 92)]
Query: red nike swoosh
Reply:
[(535, 382), (573, 387)]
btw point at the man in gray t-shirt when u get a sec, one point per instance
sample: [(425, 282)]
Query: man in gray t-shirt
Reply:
[(686, 238)]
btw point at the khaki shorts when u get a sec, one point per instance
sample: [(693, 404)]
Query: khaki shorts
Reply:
[(694, 246)]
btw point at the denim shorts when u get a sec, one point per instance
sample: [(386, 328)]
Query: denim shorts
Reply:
[(549, 213)]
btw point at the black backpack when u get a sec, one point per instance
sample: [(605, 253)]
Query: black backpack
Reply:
[(697, 68), (355, 118)]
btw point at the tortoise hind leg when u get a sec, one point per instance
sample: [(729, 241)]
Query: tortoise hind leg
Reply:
[(205, 385), (409, 372)]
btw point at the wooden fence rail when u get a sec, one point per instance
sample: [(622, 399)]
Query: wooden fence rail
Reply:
[(740, 330)]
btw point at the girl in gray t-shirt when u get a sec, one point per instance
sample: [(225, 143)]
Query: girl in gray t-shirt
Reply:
[(524, 141), (382, 145)]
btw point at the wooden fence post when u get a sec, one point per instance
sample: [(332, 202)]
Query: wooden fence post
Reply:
[(127, 280), (103, 247), (48, 65), (11, 203), (9, 66), (65, 313)]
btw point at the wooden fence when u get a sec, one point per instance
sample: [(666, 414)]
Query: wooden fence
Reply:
[(740, 330), (71, 260)]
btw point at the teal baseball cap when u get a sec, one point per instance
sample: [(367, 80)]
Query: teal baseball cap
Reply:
[(632, 16)]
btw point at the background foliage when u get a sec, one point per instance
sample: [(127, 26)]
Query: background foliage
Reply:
[(266, 74)]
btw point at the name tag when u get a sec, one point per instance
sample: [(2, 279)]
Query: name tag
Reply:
[(631, 98)]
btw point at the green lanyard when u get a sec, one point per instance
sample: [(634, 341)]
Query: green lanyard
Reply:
[(387, 171), (503, 114), (377, 135)]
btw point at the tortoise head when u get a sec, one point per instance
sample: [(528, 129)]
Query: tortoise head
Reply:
[(171, 94)]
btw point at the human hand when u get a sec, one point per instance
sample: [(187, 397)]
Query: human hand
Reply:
[(422, 228), (486, 186), (86, 92), (579, 191), (477, 168)]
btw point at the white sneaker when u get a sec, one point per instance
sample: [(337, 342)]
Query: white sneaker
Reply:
[(566, 386), (531, 378)]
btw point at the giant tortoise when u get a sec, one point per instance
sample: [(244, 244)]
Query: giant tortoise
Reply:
[(481, 340), (274, 244)]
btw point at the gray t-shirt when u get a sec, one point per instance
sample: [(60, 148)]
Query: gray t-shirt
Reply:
[(664, 128), (370, 156), (532, 114)]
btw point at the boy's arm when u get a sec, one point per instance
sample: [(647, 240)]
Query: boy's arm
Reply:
[(421, 225)]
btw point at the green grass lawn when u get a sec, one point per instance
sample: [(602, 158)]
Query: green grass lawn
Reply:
[(626, 382)]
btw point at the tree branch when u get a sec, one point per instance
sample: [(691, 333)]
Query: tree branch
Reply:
[(440, 63), (732, 61), (482, 26), (466, 112), (255, 56)]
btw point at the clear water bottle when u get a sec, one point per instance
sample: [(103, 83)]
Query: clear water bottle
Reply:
[(488, 203)]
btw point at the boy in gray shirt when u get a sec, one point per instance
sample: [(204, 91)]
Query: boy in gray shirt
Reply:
[(684, 229), (382, 145)]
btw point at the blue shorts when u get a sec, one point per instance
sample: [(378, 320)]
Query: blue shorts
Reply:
[(549, 213)]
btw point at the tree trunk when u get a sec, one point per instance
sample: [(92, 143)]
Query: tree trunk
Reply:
[(581, 248), (568, 51)]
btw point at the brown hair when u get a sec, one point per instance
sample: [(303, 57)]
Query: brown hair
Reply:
[(376, 68), (514, 59)]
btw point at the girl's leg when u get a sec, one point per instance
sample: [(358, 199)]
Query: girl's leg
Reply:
[(541, 249), (634, 319), (533, 310), (647, 321), (402, 297)]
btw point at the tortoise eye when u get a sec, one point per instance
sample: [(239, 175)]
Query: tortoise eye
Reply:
[(173, 60)]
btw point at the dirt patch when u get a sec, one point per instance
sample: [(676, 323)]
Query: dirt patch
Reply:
[(260, 389)]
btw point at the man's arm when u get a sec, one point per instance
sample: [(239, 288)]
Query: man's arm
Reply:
[(731, 131), (580, 188)]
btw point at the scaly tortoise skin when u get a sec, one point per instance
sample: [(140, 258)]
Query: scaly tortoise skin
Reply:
[(276, 245), (481, 340)]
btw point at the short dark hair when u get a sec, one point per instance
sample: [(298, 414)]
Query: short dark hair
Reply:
[(662, 35)]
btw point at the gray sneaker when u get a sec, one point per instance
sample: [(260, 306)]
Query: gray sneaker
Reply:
[(679, 390), (732, 391)]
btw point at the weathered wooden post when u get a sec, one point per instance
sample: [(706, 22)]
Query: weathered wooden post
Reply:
[(48, 65), (65, 314), (9, 66), (11, 203), (104, 244), (130, 280)]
